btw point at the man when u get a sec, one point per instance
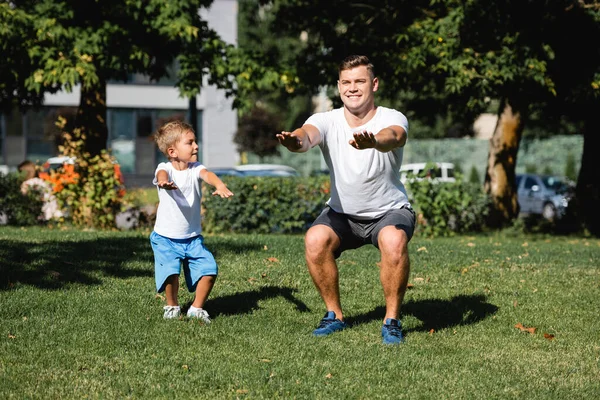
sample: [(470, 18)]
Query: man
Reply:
[(363, 146)]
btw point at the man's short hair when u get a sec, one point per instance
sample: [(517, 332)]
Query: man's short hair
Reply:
[(354, 61), (168, 134)]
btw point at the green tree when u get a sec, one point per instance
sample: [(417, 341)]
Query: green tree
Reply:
[(51, 45), (274, 89), (570, 167), (256, 132), (465, 57)]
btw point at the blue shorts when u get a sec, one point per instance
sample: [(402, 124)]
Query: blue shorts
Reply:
[(171, 254)]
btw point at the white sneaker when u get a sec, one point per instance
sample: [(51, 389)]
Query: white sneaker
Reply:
[(171, 312), (199, 313)]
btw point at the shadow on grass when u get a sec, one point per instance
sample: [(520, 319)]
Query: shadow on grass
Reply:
[(53, 264), (246, 302), (437, 314)]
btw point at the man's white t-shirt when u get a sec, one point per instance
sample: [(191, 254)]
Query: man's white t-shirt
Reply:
[(178, 215), (365, 184)]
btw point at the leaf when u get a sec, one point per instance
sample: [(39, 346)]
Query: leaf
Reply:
[(548, 336), (273, 259), (422, 249), (431, 331), (522, 328), (329, 376)]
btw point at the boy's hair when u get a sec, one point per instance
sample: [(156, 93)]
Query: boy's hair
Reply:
[(29, 168), (354, 61), (168, 134)]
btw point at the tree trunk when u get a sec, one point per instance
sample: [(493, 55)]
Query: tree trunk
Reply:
[(502, 159), (588, 185), (91, 118)]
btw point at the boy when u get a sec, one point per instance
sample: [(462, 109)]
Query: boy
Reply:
[(177, 237)]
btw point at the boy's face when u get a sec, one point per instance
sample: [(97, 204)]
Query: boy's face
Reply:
[(185, 149)]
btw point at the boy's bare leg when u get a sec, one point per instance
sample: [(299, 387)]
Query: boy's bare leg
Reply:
[(203, 288), (171, 290)]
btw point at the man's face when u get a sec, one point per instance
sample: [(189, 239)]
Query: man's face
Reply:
[(356, 88)]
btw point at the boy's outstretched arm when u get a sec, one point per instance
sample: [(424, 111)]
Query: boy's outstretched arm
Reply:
[(162, 180), (212, 179)]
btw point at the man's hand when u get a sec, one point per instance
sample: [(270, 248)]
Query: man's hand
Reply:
[(221, 190), (167, 185), (363, 140), (289, 141)]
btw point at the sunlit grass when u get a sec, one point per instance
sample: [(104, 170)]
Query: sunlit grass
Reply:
[(80, 319)]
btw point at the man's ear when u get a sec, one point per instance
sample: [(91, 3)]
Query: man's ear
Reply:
[(375, 84)]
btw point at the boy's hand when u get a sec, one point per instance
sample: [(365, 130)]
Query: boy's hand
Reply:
[(221, 190), (167, 185)]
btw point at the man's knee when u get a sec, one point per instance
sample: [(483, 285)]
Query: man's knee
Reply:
[(393, 242), (320, 239)]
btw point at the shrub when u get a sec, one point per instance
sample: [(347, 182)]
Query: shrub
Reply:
[(474, 176), (265, 205), (17, 208), (90, 191), (447, 208), (570, 167)]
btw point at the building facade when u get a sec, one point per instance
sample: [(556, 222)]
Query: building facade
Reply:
[(135, 110)]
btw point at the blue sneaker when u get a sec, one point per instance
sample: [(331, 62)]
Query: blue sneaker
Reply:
[(392, 332), (329, 324)]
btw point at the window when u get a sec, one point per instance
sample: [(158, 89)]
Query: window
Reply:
[(529, 183)]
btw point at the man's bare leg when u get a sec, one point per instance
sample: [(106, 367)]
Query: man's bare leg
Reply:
[(395, 268), (320, 243)]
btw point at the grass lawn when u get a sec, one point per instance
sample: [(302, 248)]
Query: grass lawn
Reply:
[(79, 318)]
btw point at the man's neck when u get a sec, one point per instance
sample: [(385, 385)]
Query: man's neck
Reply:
[(359, 118)]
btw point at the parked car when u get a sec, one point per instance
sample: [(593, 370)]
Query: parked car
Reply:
[(442, 172), (57, 162), (54, 163), (267, 170), (220, 172), (544, 195)]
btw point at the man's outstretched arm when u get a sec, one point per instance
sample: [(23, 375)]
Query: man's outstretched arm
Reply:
[(300, 140), (385, 140)]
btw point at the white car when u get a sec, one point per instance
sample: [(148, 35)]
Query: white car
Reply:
[(267, 170), (57, 162), (443, 171)]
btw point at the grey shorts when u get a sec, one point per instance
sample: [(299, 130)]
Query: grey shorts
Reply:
[(354, 233)]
